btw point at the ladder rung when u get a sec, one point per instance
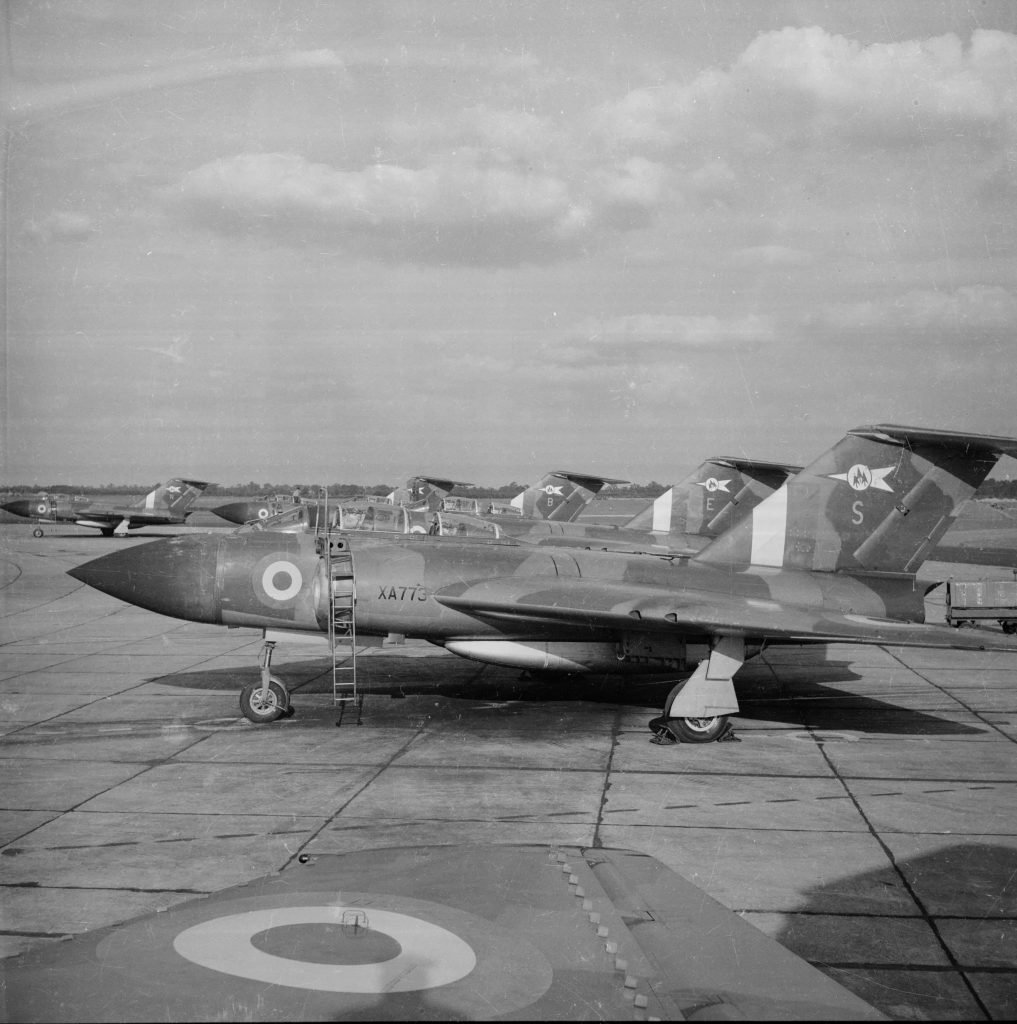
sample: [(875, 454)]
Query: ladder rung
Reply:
[(342, 621)]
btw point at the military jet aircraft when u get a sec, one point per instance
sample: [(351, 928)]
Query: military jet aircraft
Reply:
[(170, 503), (423, 492), (682, 520), (831, 556), (560, 495)]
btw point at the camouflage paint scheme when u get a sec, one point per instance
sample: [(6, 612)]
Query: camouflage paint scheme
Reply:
[(682, 520), (419, 492), (169, 503), (559, 495), (830, 556)]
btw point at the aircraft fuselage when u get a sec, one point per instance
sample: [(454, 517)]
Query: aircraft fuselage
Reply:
[(280, 581)]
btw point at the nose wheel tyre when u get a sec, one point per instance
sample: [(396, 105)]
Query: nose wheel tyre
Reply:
[(37, 532), (259, 707)]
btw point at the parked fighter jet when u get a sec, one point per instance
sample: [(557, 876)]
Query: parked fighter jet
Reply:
[(423, 492), (560, 495), (168, 504), (682, 520), (831, 556)]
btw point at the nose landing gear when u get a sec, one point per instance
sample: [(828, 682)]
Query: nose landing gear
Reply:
[(261, 705), (268, 700)]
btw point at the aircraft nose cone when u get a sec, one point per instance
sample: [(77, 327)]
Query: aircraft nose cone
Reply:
[(21, 507), (173, 577), (236, 512)]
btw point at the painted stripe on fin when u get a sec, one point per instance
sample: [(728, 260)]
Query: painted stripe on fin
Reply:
[(769, 529), (662, 512)]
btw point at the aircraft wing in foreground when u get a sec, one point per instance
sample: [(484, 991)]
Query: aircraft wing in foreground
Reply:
[(830, 556), (435, 933), (168, 504)]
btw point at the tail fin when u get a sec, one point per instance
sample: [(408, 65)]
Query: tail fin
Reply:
[(715, 495), (175, 495), (879, 500), (560, 495), (424, 492)]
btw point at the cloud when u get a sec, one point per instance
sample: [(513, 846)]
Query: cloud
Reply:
[(461, 209), (968, 311), (903, 89), (31, 103), (793, 120), (648, 331), (806, 86), (770, 256), (60, 225)]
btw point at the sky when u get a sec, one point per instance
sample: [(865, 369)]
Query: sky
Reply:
[(319, 241)]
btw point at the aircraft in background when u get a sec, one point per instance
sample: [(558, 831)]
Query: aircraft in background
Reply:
[(559, 496), (831, 556), (559, 493), (419, 492), (169, 504), (424, 492), (682, 520)]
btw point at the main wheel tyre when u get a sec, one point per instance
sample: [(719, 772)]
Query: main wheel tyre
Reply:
[(258, 708), (37, 532), (699, 730)]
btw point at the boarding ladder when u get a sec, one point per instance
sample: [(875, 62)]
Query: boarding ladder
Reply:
[(342, 620)]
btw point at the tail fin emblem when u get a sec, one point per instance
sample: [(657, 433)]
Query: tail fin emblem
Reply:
[(860, 478), (713, 484), (551, 489)]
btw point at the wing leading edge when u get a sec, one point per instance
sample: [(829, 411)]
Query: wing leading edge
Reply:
[(639, 608)]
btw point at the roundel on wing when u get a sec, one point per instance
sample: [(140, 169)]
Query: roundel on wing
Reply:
[(418, 954), (325, 956)]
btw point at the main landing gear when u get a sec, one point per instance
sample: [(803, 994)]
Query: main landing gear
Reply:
[(691, 730), (37, 532), (697, 710), (268, 700)]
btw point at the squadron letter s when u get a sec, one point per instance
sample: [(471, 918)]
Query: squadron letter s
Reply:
[(859, 515)]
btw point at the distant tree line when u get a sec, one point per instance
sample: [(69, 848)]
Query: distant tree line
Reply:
[(998, 488)]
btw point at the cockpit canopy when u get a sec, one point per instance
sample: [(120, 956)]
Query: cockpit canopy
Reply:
[(469, 506), (376, 519)]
